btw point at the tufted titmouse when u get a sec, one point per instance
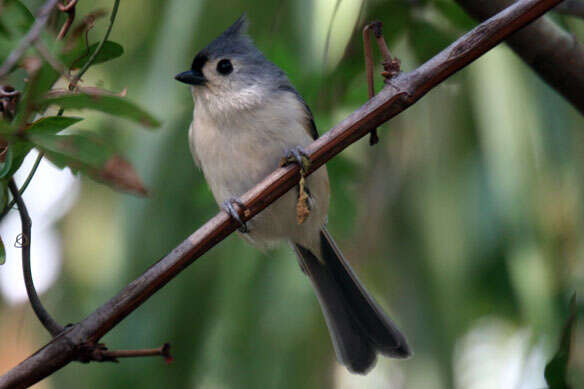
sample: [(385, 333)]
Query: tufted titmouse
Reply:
[(247, 116)]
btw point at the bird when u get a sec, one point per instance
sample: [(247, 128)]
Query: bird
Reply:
[(247, 116)]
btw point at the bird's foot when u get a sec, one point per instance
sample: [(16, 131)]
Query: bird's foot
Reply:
[(299, 156), (229, 207)]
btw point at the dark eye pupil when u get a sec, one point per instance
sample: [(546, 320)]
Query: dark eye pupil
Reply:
[(224, 66)]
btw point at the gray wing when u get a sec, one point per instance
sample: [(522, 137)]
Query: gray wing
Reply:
[(311, 127), (192, 145)]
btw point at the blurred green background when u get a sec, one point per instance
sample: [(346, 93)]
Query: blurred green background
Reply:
[(466, 220)]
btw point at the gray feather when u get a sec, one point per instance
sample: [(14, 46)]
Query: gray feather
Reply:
[(358, 327)]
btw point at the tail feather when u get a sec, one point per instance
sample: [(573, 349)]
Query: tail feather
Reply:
[(358, 326)]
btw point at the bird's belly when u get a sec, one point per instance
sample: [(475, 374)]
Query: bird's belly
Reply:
[(231, 171), (233, 164)]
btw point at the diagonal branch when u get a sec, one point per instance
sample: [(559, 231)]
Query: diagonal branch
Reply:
[(402, 91), (555, 55), (28, 40)]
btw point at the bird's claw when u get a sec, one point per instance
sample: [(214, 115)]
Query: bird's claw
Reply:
[(297, 155), (228, 206)]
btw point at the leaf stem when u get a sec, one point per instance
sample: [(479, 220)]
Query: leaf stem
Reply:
[(48, 322), (24, 185), (77, 77)]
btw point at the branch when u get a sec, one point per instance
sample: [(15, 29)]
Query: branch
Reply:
[(401, 92), (48, 322), (69, 9), (163, 351), (551, 52), (32, 35)]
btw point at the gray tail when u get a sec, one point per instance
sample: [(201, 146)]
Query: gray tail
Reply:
[(357, 325)]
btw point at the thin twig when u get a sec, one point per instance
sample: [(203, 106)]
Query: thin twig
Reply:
[(24, 185), (48, 322), (69, 9), (571, 7), (32, 35), (373, 138), (391, 66), (368, 60), (78, 76), (403, 91), (162, 351)]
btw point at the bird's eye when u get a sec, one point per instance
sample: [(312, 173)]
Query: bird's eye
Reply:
[(224, 66)]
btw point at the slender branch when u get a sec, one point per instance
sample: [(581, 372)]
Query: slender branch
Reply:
[(391, 65), (98, 48), (571, 7), (32, 35), (24, 185), (373, 138), (554, 54), (402, 91), (50, 324), (69, 9), (162, 351)]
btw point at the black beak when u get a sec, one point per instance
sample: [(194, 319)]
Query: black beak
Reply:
[(191, 77)]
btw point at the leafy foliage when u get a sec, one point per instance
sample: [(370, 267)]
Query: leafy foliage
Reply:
[(78, 57), (84, 152), (113, 105), (51, 124)]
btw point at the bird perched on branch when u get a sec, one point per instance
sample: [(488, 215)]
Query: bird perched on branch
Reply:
[(247, 116)]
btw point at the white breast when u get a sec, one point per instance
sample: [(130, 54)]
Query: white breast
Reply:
[(237, 152)]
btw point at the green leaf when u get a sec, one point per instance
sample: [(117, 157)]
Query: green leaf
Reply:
[(6, 128), (113, 105), (17, 151), (2, 252), (79, 57), (78, 151), (20, 150), (6, 166), (556, 369), (35, 90), (51, 124), (93, 157)]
